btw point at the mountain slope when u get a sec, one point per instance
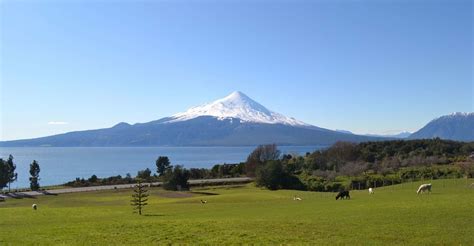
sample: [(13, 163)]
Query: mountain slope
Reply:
[(235, 120), (456, 126)]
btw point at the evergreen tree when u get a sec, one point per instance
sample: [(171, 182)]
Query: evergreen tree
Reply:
[(34, 173), (162, 165), (139, 197), (3, 174), (11, 175)]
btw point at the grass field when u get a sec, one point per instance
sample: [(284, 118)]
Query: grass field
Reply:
[(245, 214)]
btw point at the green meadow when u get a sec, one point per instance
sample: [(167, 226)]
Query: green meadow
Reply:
[(246, 214)]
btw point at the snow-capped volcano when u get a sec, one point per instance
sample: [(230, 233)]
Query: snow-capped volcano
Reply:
[(240, 106), (235, 120)]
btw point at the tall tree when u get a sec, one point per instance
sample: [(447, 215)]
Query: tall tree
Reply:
[(11, 175), (3, 174), (34, 175), (139, 197), (162, 165), (259, 156)]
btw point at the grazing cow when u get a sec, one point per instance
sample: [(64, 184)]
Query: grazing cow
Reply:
[(371, 191), (423, 188), (343, 195), (203, 201), (295, 198), (34, 206)]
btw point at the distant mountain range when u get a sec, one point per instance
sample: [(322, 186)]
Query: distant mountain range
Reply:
[(456, 126), (235, 120), (398, 135), (391, 136)]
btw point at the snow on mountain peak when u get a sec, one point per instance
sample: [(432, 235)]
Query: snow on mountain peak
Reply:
[(454, 115), (237, 105), (461, 114)]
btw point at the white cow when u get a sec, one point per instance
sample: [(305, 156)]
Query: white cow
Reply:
[(371, 191), (295, 198), (423, 188), (34, 206)]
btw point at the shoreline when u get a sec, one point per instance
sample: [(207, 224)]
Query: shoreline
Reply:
[(30, 194)]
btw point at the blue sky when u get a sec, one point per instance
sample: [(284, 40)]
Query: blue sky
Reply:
[(363, 66)]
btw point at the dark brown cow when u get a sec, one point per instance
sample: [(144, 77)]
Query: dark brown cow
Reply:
[(343, 195)]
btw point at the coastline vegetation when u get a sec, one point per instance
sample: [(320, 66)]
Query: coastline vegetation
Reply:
[(345, 165), (342, 166)]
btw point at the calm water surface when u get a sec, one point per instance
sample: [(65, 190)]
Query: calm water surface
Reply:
[(59, 165)]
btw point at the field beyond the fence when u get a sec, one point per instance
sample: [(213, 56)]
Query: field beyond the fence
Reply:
[(246, 214)]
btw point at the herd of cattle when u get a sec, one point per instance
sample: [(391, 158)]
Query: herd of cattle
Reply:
[(345, 194)]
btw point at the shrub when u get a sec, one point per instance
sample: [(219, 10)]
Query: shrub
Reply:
[(144, 174), (176, 179), (273, 176)]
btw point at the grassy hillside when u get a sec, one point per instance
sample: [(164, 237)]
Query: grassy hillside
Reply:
[(393, 215)]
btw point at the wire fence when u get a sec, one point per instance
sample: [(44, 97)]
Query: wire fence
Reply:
[(413, 182)]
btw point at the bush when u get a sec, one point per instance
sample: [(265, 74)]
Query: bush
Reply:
[(273, 176), (144, 174), (467, 169), (93, 179), (176, 179)]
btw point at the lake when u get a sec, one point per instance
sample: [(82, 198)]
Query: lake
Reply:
[(59, 165)]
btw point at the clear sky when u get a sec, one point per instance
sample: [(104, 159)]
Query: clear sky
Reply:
[(364, 66)]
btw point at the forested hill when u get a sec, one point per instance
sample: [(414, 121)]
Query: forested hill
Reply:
[(348, 165), (396, 152)]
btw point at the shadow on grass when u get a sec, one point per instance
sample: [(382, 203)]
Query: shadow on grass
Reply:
[(153, 215), (18, 195), (204, 193), (44, 192)]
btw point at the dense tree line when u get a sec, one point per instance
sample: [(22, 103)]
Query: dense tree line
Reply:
[(349, 165), (174, 177), (343, 165), (146, 175)]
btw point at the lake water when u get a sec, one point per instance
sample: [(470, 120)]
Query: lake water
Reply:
[(59, 165)]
